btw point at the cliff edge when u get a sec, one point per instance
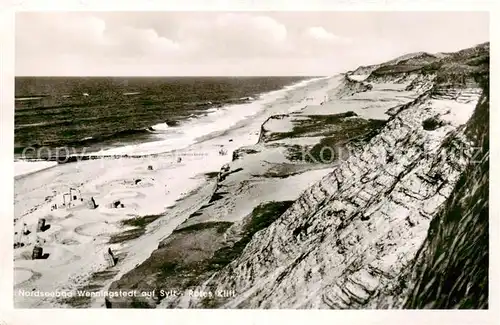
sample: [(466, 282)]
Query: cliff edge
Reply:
[(399, 220)]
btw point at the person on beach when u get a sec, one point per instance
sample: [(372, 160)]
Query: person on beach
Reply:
[(25, 229)]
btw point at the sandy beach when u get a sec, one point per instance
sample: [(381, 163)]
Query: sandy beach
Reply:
[(158, 192), (264, 177), (249, 160)]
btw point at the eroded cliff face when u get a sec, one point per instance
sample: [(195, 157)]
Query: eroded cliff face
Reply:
[(348, 237), (454, 257), (351, 240), (399, 221)]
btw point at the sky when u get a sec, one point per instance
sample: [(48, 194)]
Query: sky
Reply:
[(232, 43)]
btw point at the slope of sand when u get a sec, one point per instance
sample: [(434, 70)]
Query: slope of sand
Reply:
[(76, 237), (261, 181), (24, 168)]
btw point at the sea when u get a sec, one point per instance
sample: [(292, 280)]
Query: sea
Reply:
[(90, 114)]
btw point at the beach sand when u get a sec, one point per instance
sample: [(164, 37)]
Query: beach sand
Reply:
[(155, 200), (254, 189)]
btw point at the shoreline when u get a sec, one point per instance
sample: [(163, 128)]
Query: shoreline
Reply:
[(256, 187), (345, 199), (123, 151), (247, 138)]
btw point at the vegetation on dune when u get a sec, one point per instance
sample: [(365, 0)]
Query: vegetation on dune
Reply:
[(94, 284), (451, 269), (139, 223), (312, 125), (337, 136), (454, 258), (126, 235), (360, 130), (211, 175), (431, 124), (221, 226), (188, 265), (261, 217), (451, 69)]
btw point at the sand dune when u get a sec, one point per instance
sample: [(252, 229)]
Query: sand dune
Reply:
[(76, 236)]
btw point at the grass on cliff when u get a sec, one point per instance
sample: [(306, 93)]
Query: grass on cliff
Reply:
[(333, 146), (94, 284), (211, 175), (455, 69), (139, 223), (190, 255), (452, 267), (454, 257), (312, 126), (220, 226), (261, 217)]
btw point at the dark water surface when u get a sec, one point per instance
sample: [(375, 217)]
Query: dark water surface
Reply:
[(101, 112)]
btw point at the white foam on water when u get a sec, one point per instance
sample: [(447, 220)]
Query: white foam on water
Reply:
[(160, 127), (215, 121), (180, 137), (27, 98)]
